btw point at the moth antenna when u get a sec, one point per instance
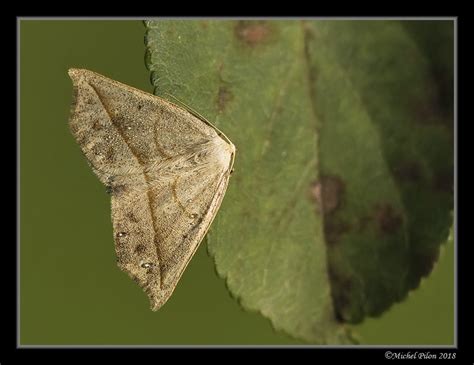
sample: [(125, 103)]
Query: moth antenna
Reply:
[(188, 108)]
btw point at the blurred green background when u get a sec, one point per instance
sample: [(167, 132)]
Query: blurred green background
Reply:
[(71, 291)]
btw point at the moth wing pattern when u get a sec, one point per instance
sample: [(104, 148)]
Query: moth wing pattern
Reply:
[(166, 169)]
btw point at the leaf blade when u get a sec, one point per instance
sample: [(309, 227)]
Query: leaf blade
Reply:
[(272, 87)]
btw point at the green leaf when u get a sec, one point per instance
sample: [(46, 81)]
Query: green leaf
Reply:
[(343, 174), (380, 98), (436, 40)]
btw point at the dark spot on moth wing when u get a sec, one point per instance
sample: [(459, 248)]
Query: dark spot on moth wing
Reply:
[(75, 93), (132, 217), (110, 154), (81, 138), (139, 249), (327, 193), (253, 32), (74, 128), (224, 96), (135, 278), (98, 149), (388, 220), (97, 126), (115, 189), (196, 221), (122, 122)]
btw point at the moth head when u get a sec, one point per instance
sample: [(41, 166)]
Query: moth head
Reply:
[(222, 153)]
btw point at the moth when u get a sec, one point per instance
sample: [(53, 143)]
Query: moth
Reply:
[(167, 171)]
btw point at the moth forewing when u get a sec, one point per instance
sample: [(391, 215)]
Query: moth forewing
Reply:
[(166, 169)]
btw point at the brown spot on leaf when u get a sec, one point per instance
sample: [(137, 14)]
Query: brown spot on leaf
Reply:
[(426, 107), (444, 181), (224, 96), (423, 263), (425, 113), (252, 32), (341, 292), (315, 193), (204, 24), (363, 222), (408, 171), (444, 79), (334, 228), (387, 219), (327, 193), (312, 71)]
